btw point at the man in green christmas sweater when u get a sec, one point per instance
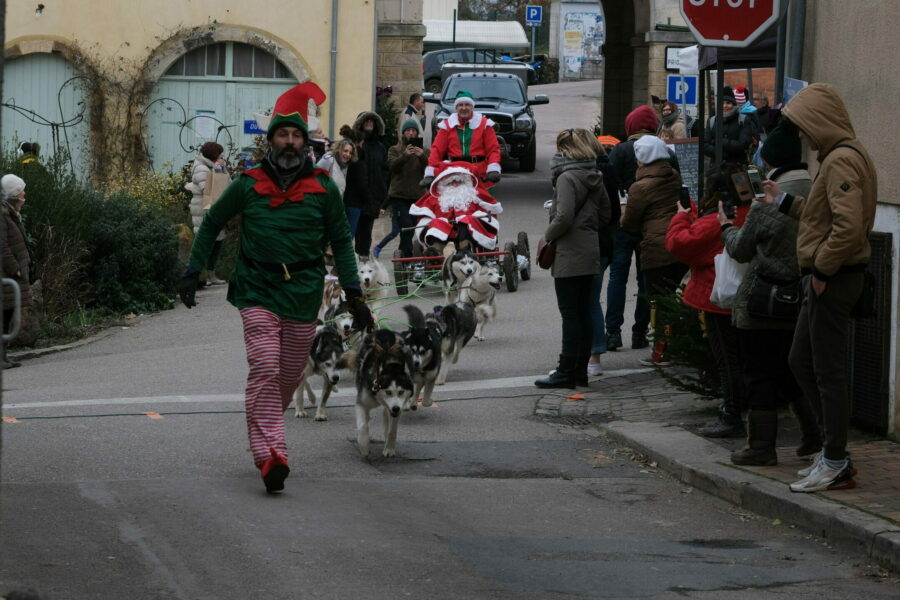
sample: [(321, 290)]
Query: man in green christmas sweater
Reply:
[(290, 212)]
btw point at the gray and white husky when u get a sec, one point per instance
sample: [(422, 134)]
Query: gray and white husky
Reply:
[(480, 290), (326, 358), (456, 324), (459, 266), (424, 342), (383, 378)]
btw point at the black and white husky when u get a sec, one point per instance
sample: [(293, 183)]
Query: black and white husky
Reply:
[(383, 378), (423, 339), (459, 266), (326, 358), (456, 323), (480, 290)]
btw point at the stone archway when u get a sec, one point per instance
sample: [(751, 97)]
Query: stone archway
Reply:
[(625, 57)]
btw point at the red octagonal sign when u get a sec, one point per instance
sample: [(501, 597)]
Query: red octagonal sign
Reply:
[(729, 23)]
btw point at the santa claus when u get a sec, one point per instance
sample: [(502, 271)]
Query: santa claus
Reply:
[(456, 209)]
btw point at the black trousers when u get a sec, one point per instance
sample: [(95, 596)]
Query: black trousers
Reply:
[(406, 220), (767, 374), (573, 297), (363, 242), (818, 356)]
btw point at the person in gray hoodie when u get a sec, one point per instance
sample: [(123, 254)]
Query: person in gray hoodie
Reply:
[(580, 208)]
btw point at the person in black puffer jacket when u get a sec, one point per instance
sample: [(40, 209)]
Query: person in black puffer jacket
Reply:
[(356, 193), (374, 155)]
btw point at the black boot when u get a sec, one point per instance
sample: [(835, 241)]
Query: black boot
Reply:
[(580, 372), (728, 425), (563, 376), (762, 429)]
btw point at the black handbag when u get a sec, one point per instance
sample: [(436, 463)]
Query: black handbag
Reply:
[(775, 299)]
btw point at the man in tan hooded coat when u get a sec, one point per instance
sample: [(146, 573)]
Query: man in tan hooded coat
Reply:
[(833, 251)]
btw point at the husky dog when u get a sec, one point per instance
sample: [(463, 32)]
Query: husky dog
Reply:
[(339, 316), (480, 290), (459, 266), (383, 378), (326, 358), (374, 279), (424, 342), (332, 294), (456, 324)]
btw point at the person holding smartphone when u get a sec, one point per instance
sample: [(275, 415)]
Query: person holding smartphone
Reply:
[(406, 161), (695, 241)]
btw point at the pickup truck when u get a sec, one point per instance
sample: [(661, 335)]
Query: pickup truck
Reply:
[(501, 97)]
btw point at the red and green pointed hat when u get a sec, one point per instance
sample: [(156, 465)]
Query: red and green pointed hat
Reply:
[(292, 107)]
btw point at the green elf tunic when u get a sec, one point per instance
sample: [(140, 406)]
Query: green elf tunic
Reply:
[(281, 227)]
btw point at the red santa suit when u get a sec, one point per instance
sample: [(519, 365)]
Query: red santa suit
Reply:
[(442, 222), (479, 143)]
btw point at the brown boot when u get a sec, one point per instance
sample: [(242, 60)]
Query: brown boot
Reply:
[(762, 429)]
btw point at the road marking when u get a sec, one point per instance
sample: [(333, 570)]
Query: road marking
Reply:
[(347, 391), (11, 420), (154, 415)]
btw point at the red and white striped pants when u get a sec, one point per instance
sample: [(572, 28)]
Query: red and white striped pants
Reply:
[(277, 351)]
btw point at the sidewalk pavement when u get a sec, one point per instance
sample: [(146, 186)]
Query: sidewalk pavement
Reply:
[(641, 410)]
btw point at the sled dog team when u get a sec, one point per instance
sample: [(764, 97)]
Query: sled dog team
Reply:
[(393, 370)]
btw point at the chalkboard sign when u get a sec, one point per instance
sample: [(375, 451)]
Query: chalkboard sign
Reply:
[(687, 151)]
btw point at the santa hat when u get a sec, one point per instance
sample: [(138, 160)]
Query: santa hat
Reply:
[(740, 94), (12, 185), (292, 108), (446, 170), (464, 97)]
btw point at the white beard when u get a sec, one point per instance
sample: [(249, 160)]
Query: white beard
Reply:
[(457, 198)]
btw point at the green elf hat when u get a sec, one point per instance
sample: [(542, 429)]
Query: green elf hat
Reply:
[(464, 97), (292, 107)]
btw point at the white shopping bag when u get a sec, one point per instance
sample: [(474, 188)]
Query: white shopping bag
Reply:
[(729, 275)]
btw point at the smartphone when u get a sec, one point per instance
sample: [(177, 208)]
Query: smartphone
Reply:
[(756, 183), (728, 209), (417, 142), (741, 181), (684, 197)]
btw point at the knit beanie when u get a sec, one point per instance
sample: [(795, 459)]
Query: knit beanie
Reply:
[(649, 149), (728, 95), (740, 94), (643, 118), (12, 185), (410, 124), (782, 147)]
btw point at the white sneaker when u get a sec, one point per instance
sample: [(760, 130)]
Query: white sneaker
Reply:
[(595, 368), (816, 459), (823, 478)]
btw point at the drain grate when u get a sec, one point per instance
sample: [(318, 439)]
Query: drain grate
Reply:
[(577, 420)]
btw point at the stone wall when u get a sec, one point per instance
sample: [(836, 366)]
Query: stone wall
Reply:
[(399, 62)]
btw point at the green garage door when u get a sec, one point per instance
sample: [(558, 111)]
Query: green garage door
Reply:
[(43, 103), (209, 94)]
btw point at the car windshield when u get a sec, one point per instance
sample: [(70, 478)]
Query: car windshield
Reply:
[(489, 89)]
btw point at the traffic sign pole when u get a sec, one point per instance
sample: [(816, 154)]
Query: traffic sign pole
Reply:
[(532, 43)]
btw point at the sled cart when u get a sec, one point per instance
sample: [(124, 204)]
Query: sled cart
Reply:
[(514, 261)]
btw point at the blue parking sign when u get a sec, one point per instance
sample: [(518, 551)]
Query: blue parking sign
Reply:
[(534, 14), (682, 89)]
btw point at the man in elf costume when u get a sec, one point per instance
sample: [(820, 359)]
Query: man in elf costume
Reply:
[(290, 212), (466, 136), (456, 209)]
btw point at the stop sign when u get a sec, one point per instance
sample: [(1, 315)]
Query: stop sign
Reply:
[(729, 23)]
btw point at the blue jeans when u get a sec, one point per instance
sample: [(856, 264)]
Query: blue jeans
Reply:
[(624, 245), (353, 214), (598, 339)]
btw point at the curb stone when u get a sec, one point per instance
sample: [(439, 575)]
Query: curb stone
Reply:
[(105, 333), (700, 463)]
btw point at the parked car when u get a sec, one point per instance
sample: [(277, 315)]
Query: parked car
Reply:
[(434, 60), (503, 98)]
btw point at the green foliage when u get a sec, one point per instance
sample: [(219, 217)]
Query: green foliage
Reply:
[(388, 111), (687, 346)]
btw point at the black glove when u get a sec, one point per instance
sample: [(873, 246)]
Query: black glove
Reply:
[(362, 316), (426, 181), (493, 176), (187, 287)]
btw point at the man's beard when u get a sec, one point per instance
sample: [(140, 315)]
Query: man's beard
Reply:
[(457, 198), (286, 158)]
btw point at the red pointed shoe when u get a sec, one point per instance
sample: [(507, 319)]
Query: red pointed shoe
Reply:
[(274, 471)]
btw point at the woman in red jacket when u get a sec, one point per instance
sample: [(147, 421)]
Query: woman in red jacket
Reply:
[(696, 241)]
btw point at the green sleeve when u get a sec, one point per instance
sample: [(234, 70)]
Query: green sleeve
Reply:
[(229, 205), (337, 231)]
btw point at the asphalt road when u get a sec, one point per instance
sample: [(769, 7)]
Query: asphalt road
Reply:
[(126, 474)]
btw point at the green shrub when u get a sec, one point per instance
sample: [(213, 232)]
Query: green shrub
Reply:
[(132, 258)]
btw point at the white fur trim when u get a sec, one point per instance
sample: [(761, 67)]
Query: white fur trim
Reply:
[(421, 211), (474, 122), (495, 209), (493, 167), (463, 100), (436, 233), (483, 241), (429, 171)]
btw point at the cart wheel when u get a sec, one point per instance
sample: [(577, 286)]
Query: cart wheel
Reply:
[(524, 249), (510, 268), (400, 274)]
